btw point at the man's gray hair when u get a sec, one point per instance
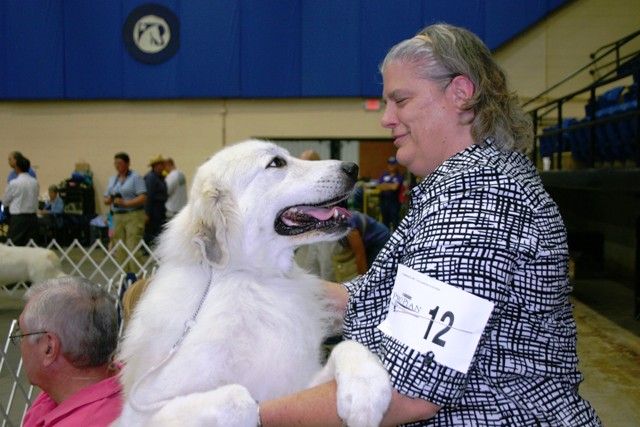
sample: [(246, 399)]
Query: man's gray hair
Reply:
[(80, 313)]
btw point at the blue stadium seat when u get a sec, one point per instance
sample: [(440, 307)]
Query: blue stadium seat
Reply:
[(610, 97), (578, 140), (631, 94), (610, 146), (548, 143), (584, 142), (609, 136), (628, 128)]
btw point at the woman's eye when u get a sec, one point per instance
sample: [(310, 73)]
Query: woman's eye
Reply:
[(277, 162)]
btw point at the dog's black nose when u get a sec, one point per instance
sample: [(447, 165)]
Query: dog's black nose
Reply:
[(351, 169)]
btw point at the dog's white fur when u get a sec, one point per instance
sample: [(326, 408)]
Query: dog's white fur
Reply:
[(258, 332), (26, 264)]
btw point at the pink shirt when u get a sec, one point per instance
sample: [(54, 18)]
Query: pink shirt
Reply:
[(95, 406)]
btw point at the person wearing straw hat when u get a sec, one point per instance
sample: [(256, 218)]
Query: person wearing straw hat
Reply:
[(154, 208), (176, 188)]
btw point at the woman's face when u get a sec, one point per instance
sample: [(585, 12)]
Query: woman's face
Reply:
[(121, 166), (423, 119)]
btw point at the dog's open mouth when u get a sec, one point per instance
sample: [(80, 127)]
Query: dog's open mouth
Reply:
[(303, 218)]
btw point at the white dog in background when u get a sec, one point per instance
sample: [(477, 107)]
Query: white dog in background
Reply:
[(27, 264), (229, 317)]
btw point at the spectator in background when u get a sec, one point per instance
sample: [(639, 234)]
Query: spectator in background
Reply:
[(126, 193), (68, 334), (12, 163), (374, 234), (356, 200), (309, 155), (390, 185), (154, 208), (53, 209), (21, 197), (176, 188), (50, 216), (320, 258)]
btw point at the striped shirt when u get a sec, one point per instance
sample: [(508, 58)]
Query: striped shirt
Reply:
[(482, 222)]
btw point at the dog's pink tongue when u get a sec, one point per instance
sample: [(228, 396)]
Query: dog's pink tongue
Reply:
[(323, 214)]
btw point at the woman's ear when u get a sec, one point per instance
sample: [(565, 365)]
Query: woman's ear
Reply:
[(461, 89)]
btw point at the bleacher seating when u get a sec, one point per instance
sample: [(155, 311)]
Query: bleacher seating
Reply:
[(602, 170), (552, 142), (579, 139), (613, 116), (607, 134), (628, 126)]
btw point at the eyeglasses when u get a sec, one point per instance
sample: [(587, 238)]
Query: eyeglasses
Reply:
[(16, 338)]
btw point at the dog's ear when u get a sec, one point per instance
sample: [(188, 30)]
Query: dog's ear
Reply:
[(215, 223)]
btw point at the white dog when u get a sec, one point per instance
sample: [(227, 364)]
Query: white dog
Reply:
[(229, 317), (27, 264)]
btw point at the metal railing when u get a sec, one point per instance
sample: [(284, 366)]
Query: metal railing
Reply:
[(596, 65), (609, 65)]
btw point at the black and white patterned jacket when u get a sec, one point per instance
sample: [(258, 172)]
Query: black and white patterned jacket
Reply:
[(483, 223)]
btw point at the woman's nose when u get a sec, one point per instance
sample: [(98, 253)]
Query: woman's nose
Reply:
[(388, 117)]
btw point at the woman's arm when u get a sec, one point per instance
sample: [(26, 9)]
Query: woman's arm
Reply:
[(317, 406), (337, 294), (139, 200)]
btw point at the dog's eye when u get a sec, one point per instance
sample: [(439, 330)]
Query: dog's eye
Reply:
[(277, 162)]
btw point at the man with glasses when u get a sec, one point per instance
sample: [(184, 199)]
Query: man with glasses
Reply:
[(68, 333)]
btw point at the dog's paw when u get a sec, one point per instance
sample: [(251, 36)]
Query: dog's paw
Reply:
[(326, 374), (364, 389), (230, 405)]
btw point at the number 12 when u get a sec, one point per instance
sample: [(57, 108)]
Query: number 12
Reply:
[(447, 317)]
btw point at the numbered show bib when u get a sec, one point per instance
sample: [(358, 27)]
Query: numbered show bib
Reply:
[(429, 315)]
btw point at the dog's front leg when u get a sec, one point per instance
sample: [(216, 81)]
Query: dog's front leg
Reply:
[(230, 405), (364, 389)]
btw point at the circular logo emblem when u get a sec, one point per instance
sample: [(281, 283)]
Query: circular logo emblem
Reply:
[(151, 33)]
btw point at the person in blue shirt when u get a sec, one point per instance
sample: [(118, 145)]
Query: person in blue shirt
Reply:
[(126, 193), (50, 216), (390, 185), (374, 234)]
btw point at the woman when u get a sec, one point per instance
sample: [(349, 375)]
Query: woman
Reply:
[(52, 211), (482, 228)]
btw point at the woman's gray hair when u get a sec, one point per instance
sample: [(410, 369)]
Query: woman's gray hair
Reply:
[(80, 313), (442, 52)]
